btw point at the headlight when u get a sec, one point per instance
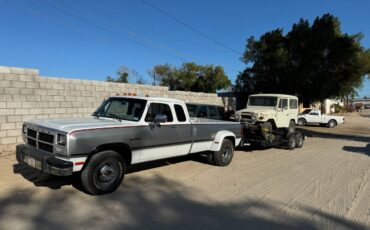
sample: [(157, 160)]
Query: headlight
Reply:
[(61, 139), (24, 129)]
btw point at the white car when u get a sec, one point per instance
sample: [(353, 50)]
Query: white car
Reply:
[(313, 116)]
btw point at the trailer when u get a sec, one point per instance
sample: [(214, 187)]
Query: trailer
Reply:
[(252, 136)]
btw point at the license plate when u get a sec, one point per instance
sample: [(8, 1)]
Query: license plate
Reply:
[(31, 161)]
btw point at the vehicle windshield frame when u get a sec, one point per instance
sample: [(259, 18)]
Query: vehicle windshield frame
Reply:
[(264, 104), (103, 109)]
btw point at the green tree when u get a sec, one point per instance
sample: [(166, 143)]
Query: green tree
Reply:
[(191, 77), (314, 62)]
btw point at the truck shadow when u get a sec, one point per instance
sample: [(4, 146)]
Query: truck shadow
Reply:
[(354, 149), (41, 179), (154, 203)]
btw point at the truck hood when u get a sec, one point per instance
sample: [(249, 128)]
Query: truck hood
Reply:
[(68, 125), (263, 110)]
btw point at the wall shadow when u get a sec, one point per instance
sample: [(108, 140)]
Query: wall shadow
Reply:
[(311, 133), (151, 203)]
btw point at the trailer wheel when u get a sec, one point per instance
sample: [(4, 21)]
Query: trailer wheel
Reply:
[(299, 140), (291, 129), (103, 173), (292, 142), (224, 156)]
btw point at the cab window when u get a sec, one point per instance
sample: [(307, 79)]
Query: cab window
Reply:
[(202, 111), (293, 104), (158, 108), (180, 114), (283, 103)]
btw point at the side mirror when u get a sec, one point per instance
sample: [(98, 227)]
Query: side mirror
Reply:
[(160, 118)]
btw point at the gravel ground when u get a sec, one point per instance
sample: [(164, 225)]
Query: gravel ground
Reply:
[(324, 185)]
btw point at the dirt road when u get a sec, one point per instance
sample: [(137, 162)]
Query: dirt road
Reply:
[(324, 185)]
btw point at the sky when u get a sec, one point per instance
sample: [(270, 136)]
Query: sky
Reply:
[(91, 39)]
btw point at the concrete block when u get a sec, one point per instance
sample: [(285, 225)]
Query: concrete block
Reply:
[(58, 86), (21, 111), (66, 104), (14, 118), (9, 76), (58, 98), (13, 104), (27, 78), (4, 84), (27, 105), (28, 117), (17, 70), (6, 97), (26, 91), (46, 85), (35, 98), (48, 111), (60, 110), (6, 112), (76, 93), (18, 125), (32, 85), (80, 87), (34, 72), (42, 116), (8, 140), (40, 92), (52, 92), (19, 98), (64, 92), (19, 140), (2, 104), (13, 132), (5, 69), (54, 104), (2, 133), (6, 126), (18, 84)]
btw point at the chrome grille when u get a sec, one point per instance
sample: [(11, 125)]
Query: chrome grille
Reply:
[(41, 140), (247, 118)]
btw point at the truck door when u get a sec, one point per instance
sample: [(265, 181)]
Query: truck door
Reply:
[(314, 116), (184, 131), (282, 117), (158, 140)]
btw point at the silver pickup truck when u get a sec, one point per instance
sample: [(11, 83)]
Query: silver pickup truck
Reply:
[(123, 131)]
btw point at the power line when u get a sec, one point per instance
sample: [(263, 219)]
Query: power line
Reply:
[(107, 30), (190, 27), (120, 19)]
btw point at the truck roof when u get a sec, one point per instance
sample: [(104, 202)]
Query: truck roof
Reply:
[(273, 95), (162, 99)]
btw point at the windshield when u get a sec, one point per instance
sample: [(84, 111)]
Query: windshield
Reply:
[(262, 101), (192, 109), (130, 109), (306, 111)]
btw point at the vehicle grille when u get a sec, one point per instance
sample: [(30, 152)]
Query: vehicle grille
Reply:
[(247, 118), (41, 140)]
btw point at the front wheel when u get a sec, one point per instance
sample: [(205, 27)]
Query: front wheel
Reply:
[(224, 156), (103, 173)]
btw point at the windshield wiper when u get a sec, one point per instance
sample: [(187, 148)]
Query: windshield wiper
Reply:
[(114, 116)]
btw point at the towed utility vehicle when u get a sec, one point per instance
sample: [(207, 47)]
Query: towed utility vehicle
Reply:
[(122, 132), (269, 120)]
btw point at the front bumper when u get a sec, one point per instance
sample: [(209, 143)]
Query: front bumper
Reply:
[(43, 161)]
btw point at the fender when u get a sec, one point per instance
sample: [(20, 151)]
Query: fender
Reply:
[(220, 136)]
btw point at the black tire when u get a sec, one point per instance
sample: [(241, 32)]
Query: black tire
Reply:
[(210, 158), (266, 131), (103, 173), (291, 129), (225, 155), (299, 138), (292, 142), (301, 122), (332, 123)]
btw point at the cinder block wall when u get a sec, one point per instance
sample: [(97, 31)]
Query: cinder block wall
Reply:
[(24, 95)]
